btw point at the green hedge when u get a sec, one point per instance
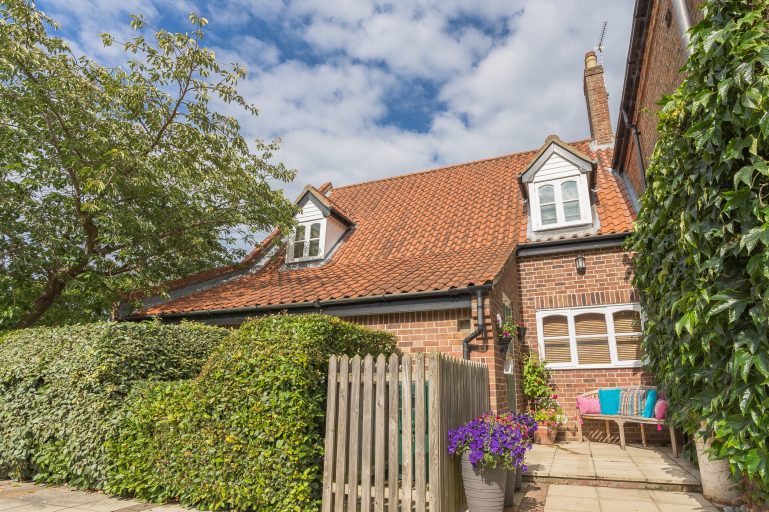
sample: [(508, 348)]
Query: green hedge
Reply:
[(61, 390), (702, 241), (247, 434)]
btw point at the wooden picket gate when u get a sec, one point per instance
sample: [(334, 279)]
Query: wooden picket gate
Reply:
[(387, 425)]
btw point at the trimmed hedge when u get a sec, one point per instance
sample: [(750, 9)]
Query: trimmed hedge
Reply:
[(62, 388), (247, 434)]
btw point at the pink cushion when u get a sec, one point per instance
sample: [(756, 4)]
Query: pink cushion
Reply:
[(660, 408), (588, 405)]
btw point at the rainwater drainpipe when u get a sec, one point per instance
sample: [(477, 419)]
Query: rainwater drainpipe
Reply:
[(637, 145), (479, 324), (684, 23)]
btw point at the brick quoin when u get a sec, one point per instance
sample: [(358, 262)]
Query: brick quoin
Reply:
[(550, 282)]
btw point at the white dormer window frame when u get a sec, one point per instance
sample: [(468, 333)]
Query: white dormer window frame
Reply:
[(556, 209), (307, 242)]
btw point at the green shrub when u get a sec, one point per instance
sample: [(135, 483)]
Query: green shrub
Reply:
[(247, 434), (62, 388), (702, 240)]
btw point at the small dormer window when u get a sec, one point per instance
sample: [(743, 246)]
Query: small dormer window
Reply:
[(556, 184), (561, 203), (306, 244), (320, 228)]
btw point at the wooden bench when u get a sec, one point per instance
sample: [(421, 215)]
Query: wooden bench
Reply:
[(620, 420)]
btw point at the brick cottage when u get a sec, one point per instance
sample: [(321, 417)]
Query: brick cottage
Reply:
[(435, 256)]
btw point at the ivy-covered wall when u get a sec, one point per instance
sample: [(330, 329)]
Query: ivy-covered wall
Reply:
[(702, 240)]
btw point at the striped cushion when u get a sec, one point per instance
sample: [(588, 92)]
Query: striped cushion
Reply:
[(631, 402)]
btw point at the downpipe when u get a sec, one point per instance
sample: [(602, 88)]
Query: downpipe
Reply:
[(479, 325)]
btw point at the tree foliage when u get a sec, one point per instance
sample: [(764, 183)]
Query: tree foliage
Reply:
[(702, 239), (119, 178)]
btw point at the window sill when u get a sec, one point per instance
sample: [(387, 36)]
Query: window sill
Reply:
[(631, 364), (551, 227)]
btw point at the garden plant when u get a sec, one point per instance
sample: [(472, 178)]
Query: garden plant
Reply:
[(701, 241)]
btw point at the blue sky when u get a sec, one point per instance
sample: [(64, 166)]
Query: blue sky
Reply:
[(359, 89)]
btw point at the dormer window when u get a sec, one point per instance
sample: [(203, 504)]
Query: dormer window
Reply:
[(319, 230), (557, 187), (306, 243), (560, 203)]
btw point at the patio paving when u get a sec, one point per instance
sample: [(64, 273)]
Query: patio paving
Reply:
[(28, 497), (581, 498), (653, 467)]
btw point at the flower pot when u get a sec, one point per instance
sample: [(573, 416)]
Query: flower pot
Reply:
[(484, 486), (510, 488), (546, 435), (717, 486)]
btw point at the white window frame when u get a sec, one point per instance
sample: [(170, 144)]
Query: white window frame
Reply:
[(586, 214), (321, 242), (570, 313)]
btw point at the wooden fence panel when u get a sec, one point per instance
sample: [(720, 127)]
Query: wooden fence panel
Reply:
[(420, 471), (392, 457), (381, 428), (367, 434), (401, 409)]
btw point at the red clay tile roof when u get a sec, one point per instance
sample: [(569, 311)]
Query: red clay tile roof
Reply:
[(434, 230)]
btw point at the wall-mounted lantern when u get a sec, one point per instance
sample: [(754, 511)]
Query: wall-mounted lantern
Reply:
[(579, 264)]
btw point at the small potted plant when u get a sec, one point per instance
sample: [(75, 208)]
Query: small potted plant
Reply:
[(506, 331), (490, 446), (549, 416)]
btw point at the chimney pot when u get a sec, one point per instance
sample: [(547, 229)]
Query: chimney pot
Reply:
[(591, 60)]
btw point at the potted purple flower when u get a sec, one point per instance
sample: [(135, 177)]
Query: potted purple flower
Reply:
[(490, 446)]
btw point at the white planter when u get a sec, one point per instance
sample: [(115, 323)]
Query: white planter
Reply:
[(717, 485)]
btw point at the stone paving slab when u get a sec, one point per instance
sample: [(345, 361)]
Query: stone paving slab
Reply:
[(651, 465), (28, 497), (579, 498)]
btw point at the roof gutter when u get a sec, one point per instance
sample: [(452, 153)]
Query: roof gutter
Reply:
[(317, 304), (635, 56), (571, 244)]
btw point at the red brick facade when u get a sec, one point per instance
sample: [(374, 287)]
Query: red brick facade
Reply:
[(552, 281)]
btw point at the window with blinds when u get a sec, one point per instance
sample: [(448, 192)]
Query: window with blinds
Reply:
[(555, 333), (627, 332), (592, 337)]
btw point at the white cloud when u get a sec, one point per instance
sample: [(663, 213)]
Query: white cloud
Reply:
[(323, 73)]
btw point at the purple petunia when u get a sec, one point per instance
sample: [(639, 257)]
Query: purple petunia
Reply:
[(494, 439)]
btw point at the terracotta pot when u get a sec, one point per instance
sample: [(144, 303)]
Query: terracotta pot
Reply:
[(484, 487), (546, 435)]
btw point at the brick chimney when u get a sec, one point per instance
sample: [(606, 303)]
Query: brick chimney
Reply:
[(597, 102)]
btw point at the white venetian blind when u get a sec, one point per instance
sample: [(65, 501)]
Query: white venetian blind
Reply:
[(592, 339), (555, 334), (627, 329)]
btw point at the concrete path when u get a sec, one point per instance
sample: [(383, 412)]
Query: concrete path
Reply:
[(27, 497)]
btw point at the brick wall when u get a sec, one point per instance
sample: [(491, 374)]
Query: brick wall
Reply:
[(551, 281), (664, 56), (597, 102), (443, 331)]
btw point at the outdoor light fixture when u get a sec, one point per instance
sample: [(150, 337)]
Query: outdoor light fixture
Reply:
[(579, 263)]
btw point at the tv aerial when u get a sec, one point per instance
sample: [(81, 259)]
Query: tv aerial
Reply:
[(599, 47)]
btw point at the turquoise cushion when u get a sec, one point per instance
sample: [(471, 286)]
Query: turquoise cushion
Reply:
[(609, 400), (651, 399)]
